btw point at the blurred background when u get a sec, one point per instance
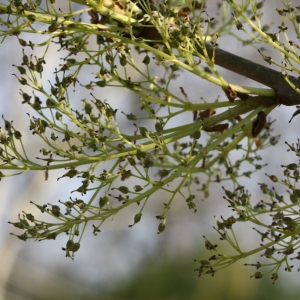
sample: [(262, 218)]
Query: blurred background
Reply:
[(130, 263)]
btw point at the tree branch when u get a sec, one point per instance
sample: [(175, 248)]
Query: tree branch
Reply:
[(285, 93)]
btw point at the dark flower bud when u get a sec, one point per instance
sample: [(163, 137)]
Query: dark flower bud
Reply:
[(161, 227)]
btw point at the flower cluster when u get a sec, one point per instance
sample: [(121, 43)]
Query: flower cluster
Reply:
[(143, 47), (275, 219)]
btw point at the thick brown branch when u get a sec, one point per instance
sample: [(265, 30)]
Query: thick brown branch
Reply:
[(266, 76)]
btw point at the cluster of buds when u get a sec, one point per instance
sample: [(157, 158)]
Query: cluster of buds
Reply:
[(280, 238)]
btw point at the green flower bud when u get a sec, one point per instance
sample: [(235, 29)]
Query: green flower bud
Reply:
[(123, 189), (158, 127), (55, 210), (257, 275), (164, 173), (75, 247), (197, 134), (41, 208), (274, 277), (69, 245), (51, 103), (25, 58), (22, 80), (22, 237), (140, 154), (123, 60), (71, 173), (204, 263), (104, 201), (53, 27), (29, 217), (146, 60), (101, 83), (293, 198), (209, 245), (58, 116), (273, 178), (147, 162), (80, 203), (17, 134), (31, 18), (291, 167), (88, 108), (144, 131), (161, 227), (22, 70), (131, 161), (51, 236), (280, 11), (22, 42), (137, 219), (109, 58), (26, 97), (137, 188), (229, 194), (296, 192), (269, 252)]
